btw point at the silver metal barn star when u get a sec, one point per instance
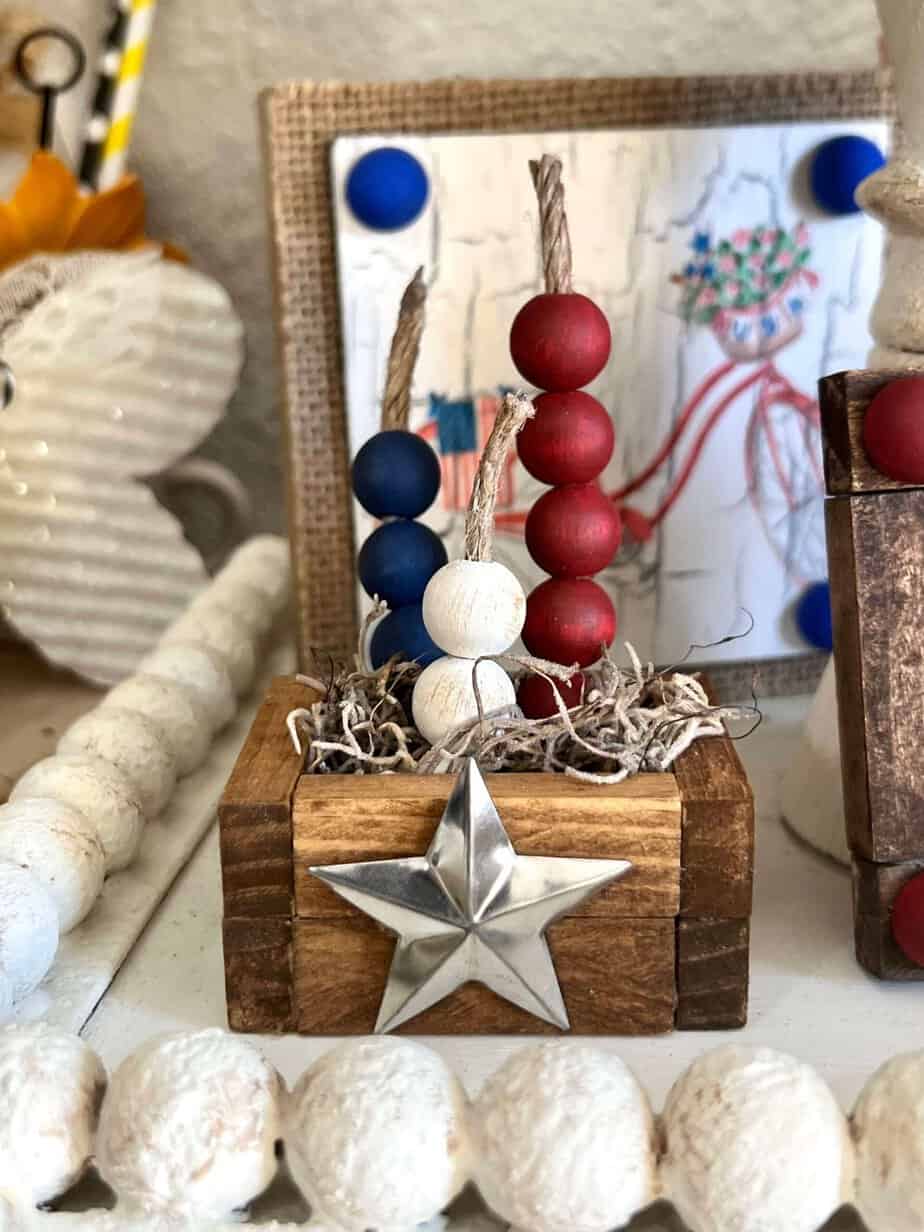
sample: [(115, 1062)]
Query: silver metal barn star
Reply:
[(470, 909)]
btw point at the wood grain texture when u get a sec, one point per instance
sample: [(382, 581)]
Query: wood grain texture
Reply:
[(712, 974), (258, 974), (875, 887), (717, 826), (876, 557), (343, 820), (617, 978), (844, 398), (254, 812)]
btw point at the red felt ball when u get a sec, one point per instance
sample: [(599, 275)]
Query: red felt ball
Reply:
[(573, 531), (569, 620), (893, 430), (536, 695), (569, 440), (908, 920), (560, 342)]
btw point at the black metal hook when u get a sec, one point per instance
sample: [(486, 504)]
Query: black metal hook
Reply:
[(49, 91)]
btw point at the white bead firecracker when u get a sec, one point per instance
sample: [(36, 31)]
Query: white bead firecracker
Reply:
[(563, 1134), (28, 929), (98, 790), (52, 1084), (444, 695), (200, 669), (473, 608), (60, 847), (376, 1135), (189, 1125), (175, 709), (133, 744)]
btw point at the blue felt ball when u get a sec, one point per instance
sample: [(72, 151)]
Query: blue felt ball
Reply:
[(386, 189), (396, 475), (397, 561), (838, 167), (403, 632), (813, 616)]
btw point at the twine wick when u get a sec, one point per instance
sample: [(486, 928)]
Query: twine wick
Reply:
[(402, 358), (553, 224), (479, 521)]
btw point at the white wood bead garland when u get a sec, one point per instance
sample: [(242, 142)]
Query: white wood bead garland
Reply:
[(28, 931), (378, 1133)]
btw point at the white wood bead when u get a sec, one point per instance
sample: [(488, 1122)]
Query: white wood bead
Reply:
[(473, 608), (189, 1125), (228, 636), (28, 929), (133, 744), (200, 668), (888, 1125), (750, 1130), (97, 789), (59, 845), (175, 709), (240, 599), (564, 1139), (52, 1084), (376, 1135), (263, 562), (444, 697)]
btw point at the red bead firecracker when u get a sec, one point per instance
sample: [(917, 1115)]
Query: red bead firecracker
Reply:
[(893, 430), (537, 696), (560, 341), (569, 440), (908, 919)]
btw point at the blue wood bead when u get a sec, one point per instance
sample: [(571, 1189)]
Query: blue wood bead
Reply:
[(813, 616), (396, 475), (838, 167), (397, 561), (386, 189), (403, 632)]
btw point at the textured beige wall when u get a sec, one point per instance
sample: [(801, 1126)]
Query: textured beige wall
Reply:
[(197, 144)]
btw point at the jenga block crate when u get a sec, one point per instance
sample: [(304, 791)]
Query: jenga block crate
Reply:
[(665, 946)]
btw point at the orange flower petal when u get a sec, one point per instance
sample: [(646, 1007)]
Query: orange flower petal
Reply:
[(110, 219), (43, 202)]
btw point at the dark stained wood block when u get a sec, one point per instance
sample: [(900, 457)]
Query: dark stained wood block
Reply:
[(258, 974), (875, 887), (712, 973)]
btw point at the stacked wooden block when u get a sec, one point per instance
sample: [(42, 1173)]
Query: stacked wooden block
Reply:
[(876, 555)]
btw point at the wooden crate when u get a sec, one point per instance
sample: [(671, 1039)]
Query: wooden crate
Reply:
[(876, 554), (665, 946)]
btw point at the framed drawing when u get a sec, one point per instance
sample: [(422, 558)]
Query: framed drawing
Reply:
[(729, 294)]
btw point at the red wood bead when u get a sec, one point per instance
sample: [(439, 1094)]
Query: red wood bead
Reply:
[(560, 342), (569, 440), (536, 695), (569, 620), (908, 920), (893, 430), (573, 531)]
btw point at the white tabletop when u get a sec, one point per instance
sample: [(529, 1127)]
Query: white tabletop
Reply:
[(808, 996)]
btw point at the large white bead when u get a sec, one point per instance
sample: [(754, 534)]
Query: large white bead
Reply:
[(473, 608), (97, 789), (52, 1084), (751, 1131), (888, 1125), (564, 1139), (444, 697), (189, 1125), (218, 627), (200, 668), (60, 846), (376, 1135), (28, 929), (175, 709), (134, 744)]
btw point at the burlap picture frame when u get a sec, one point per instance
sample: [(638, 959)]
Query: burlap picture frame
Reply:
[(300, 121)]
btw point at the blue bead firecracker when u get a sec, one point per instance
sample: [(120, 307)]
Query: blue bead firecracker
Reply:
[(404, 633), (396, 474), (397, 561), (838, 167), (813, 616), (387, 189)]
